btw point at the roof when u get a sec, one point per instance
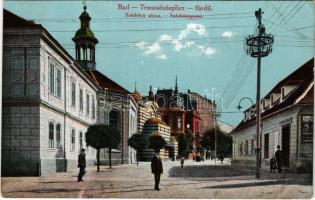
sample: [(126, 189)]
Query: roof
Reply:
[(154, 120), (303, 94), (137, 96), (11, 20), (102, 81)]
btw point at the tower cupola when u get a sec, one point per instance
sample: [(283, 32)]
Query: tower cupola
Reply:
[(85, 42)]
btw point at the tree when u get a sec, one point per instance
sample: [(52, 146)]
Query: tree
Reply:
[(224, 141), (102, 136), (157, 142), (139, 142), (184, 142)]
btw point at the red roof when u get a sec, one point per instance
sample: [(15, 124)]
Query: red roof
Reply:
[(103, 81), (303, 78)]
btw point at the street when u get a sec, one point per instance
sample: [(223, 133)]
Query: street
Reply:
[(132, 181)]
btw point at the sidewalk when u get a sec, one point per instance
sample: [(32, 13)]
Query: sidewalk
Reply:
[(132, 181)]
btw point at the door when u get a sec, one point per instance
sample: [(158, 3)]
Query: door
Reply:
[(286, 145)]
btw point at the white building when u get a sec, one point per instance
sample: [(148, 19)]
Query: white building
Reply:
[(287, 120), (48, 102)]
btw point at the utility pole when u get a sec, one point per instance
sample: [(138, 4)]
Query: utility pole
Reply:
[(259, 46), (215, 115)]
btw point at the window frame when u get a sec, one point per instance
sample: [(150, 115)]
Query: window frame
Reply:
[(58, 82), (72, 140), (81, 100), (51, 132), (58, 136), (73, 93)]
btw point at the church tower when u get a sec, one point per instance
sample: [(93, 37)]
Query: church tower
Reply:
[(85, 43)]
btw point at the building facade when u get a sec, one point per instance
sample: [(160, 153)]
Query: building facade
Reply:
[(116, 106), (48, 102), (287, 120)]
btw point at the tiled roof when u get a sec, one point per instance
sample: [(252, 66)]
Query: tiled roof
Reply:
[(303, 77), (104, 82)]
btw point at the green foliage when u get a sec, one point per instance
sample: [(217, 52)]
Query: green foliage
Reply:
[(138, 141), (184, 143), (102, 136), (157, 142), (224, 141), (96, 136)]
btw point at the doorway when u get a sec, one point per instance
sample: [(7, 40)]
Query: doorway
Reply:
[(286, 130)]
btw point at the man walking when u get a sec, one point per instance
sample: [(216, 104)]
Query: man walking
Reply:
[(278, 156), (157, 169), (182, 160), (81, 164)]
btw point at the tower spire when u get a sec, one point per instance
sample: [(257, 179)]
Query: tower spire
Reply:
[(176, 87), (135, 86), (84, 3), (85, 42)]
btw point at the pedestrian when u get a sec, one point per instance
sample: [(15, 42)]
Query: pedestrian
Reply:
[(182, 161), (273, 164), (81, 164), (221, 157), (278, 156), (157, 169)]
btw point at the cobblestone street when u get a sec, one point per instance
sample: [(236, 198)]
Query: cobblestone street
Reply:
[(132, 181)]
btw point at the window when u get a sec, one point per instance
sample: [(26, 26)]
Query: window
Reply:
[(252, 149), (114, 119), (246, 147), (72, 146), (52, 78), (58, 83), (51, 135), (241, 148), (266, 146), (81, 100), (307, 129), (93, 107), (73, 94), (58, 129), (81, 140), (179, 122), (87, 104)]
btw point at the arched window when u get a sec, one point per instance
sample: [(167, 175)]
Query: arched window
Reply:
[(51, 135), (114, 119), (72, 139), (58, 137)]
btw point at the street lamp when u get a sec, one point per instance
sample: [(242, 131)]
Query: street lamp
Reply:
[(239, 107), (259, 45)]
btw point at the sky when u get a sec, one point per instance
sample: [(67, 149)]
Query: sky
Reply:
[(206, 54)]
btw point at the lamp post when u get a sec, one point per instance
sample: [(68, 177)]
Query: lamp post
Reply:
[(239, 107), (259, 45)]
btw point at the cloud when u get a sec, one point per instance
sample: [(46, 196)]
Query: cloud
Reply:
[(208, 51), (153, 49), (162, 57), (165, 37), (140, 45), (180, 42), (227, 34)]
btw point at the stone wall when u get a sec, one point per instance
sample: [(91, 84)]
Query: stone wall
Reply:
[(20, 141)]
